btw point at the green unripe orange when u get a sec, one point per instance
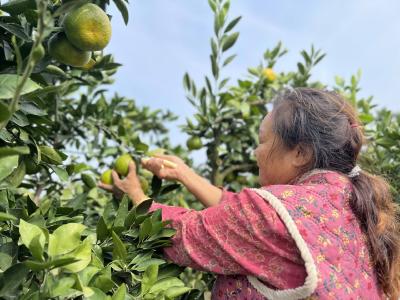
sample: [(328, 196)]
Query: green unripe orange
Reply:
[(61, 49), (31, 167), (157, 151), (38, 53), (194, 143), (122, 164), (88, 27), (106, 177), (88, 180)]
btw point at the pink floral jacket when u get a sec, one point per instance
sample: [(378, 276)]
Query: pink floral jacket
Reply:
[(280, 242)]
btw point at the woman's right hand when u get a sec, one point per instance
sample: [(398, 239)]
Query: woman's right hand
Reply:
[(156, 164), (200, 187)]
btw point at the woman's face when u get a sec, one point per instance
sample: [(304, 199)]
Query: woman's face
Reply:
[(276, 164)]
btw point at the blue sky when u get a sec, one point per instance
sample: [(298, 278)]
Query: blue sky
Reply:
[(165, 38)]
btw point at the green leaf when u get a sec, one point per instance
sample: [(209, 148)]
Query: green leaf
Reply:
[(84, 253), (229, 41), (5, 114), (144, 207), (97, 294), (142, 266), (12, 278), (120, 294), (130, 218), (155, 186), (16, 30), (17, 176), (301, 68), (19, 118), (186, 81), (166, 283), (174, 291), (119, 251), (145, 229), (87, 274), (229, 59), (213, 5), (37, 247), (6, 217), (169, 270), (214, 66), (62, 287), (61, 173), (149, 278), (5, 262), (56, 263), (60, 262), (245, 109), (15, 7), (232, 24), (65, 239), (50, 155), (119, 222), (8, 151), (30, 108), (8, 85), (102, 230), (7, 165), (103, 282), (123, 10), (366, 118), (33, 238), (386, 142), (214, 48)]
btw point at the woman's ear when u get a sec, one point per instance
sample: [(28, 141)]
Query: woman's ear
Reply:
[(302, 156)]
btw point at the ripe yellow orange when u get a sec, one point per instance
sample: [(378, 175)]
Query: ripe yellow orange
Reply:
[(88, 27), (64, 52), (269, 74)]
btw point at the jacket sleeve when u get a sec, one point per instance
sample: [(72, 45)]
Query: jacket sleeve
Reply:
[(243, 235)]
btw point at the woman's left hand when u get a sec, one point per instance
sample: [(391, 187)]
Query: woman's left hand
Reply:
[(130, 185)]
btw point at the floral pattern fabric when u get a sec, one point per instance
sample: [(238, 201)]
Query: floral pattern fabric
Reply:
[(244, 236)]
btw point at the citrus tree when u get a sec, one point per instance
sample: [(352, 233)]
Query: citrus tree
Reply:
[(60, 236)]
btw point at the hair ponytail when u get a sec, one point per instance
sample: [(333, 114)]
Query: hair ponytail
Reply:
[(379, 216)]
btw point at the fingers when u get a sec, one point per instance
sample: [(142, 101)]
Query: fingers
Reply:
[(107, 187), (115, 178), (168, 161), (152, 164), (159, 167), (131, 170), (132, 166), (172, 158)]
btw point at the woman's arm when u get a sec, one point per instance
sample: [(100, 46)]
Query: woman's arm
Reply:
[(243, 236), (200, 187)]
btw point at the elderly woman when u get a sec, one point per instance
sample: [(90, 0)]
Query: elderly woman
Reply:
[(318, 228)]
